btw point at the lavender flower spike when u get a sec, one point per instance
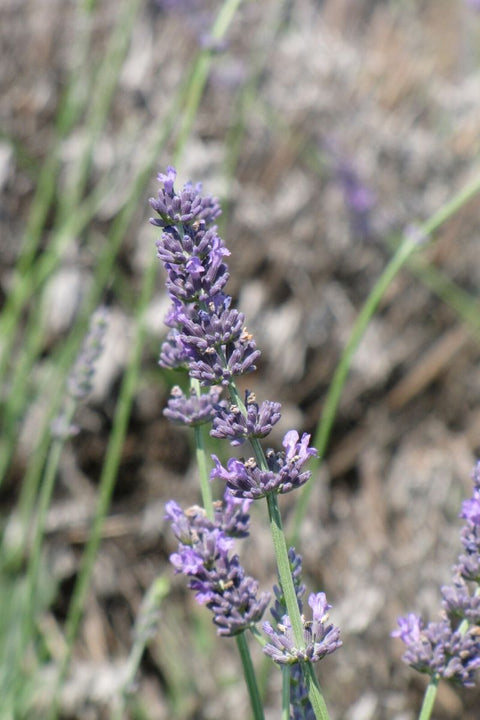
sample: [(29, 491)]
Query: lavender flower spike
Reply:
[(216, 576), (232, 424), (207, 336), (194, 410), (450, 648), (321, 637), (81, 376), (438, 650), (245, 479)]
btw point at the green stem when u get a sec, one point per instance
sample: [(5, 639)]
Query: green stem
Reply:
[(283, 564), (314, 693), (250, 678), (144, 629), (284, 571), (429, 699), (201, 70), (406, 249), (285, 692), (205, 488)]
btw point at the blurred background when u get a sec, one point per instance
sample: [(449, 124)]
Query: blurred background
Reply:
[(327, 130)]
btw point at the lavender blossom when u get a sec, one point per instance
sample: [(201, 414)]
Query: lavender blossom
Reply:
[(321, 637), (283, 474), (439, 650), (460, 603), (230, 423), (207, 335), (216, 576), (469, 561), (450, 648), (301, 708), (80, 380), (192, 410)]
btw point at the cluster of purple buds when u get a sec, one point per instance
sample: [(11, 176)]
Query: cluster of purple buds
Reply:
[(192, 409), (206, 335), (321, 636), (229, 423), (281, 640), (450, 648), (245, 479), (215, 575)]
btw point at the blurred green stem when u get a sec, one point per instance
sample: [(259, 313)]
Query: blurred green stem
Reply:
[(429, 699), (250, 677), (404, 252)]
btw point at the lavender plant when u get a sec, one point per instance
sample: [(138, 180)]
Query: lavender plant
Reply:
[(208, 338)]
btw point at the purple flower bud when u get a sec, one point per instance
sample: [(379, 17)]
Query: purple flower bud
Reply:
[(232, 424), (459, 602), (439, 650), (232, 515), (245, 479), (216, 577), (192, 410), (321, 637), (186, 207)]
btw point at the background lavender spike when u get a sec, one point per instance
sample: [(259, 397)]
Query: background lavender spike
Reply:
[(451, 648)]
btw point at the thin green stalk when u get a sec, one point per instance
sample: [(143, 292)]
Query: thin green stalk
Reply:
[(250, 677), (200, 74), (105, 83), (285, 693), (429, 699), (33, 569), (405, 251), (205, 488), (314, 693), (283, 566), (145, 627), (284, 572), (45, 496)]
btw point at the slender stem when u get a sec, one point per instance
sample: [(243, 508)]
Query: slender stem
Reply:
[(404, 252), (285, 692), (314, 693), (250, 678), (283, 563), (201, 70), (429, 699), (144, 629), (201, 456), (284, 571)]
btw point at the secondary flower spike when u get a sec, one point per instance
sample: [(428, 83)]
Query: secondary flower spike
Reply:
[(321, 636), (284, 472), (450, 648), (216, 576)]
